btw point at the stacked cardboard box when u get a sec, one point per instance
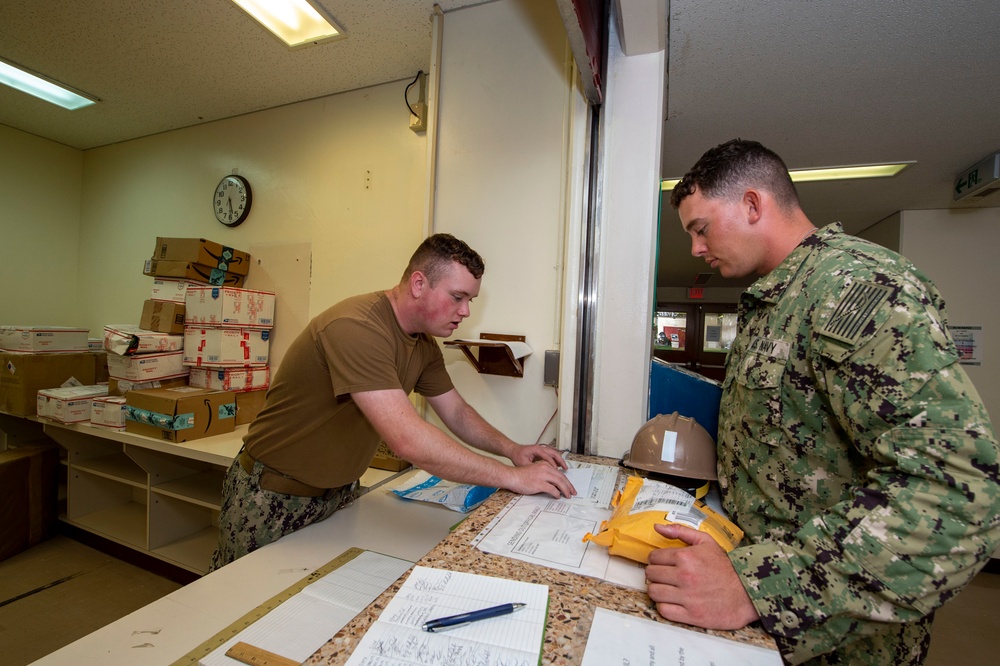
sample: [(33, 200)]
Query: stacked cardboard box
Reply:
[(28, 496), (198, 260), (180, 414), (71, 404)]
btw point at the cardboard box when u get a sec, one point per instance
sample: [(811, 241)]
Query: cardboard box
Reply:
[(185, 270), (163, 317), (204, 252), (119, 387), (126, 340), (180, 414), (100, 366), (108, 412), (167, 289), (23, 375), (222, 347), (147, 367), (229, 307), (71, 404), (28, 496), (43, 338), (238, 380), (386, 459), (248, 404)]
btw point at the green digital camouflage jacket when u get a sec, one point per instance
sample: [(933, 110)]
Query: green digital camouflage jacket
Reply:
[(855, 453)]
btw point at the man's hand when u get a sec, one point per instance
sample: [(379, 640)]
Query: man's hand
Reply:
[(528, 454), (697, 584), (539, 477)]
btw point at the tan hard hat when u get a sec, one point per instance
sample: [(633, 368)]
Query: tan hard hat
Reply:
[(674, 445)]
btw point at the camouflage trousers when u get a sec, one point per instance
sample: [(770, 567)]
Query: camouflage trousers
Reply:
[(252, 517)]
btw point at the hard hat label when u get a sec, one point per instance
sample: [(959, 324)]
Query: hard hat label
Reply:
[(669, 451)]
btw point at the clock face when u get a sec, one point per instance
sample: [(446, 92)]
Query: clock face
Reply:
[(231, 200)]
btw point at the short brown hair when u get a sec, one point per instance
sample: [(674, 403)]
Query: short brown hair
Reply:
[(727, 170), (436, 253)]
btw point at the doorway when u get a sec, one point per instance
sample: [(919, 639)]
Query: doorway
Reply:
[(696, 336)]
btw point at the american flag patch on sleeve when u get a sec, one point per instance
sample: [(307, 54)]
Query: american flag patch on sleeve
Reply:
[(855, 309)]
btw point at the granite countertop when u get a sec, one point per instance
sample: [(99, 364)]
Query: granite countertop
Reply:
[(572, 597)]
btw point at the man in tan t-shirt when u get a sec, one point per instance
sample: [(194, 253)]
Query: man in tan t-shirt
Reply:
[(343, 386)]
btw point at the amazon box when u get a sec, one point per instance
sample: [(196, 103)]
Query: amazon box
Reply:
[(248, 404), (203, 252), (22, 376), (180, 414), (186, 270), (162, 317)]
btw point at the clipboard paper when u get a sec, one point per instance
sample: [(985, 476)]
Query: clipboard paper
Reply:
[(510, 640)]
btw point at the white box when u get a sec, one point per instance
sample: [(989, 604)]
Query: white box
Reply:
[(205, 305), (147, 367), (126, 339), (71, 404), (108, 412), (165, 289), (237, 380), (43, 338), (225, 347)]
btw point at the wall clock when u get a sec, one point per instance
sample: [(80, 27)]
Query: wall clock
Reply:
[(231, 200)]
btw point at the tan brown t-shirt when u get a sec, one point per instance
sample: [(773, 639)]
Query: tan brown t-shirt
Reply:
[(309, 428)]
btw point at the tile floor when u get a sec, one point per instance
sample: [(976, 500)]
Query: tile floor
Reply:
[(61, 590)]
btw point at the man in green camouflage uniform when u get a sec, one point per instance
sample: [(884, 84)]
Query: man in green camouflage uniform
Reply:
[(853, 449)]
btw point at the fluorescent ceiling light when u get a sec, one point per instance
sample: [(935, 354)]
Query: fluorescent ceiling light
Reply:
[(828, 173), (34, 84), (295, 22)]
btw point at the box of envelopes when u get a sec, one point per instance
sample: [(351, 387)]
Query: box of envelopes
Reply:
[(180, 414)]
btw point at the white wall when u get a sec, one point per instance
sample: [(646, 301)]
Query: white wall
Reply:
[(502, 164), (307, 166), (40, 186), (957, 250)]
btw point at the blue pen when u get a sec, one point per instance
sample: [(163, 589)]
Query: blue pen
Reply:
[(453, 621)]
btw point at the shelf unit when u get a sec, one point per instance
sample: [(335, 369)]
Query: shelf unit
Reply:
[(154, 496)]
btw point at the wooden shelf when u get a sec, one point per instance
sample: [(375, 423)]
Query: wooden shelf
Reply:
[(124, 523), (495, 354), (202, 488), (117, 466)]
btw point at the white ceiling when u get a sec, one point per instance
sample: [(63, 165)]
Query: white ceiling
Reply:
[(821, 83)]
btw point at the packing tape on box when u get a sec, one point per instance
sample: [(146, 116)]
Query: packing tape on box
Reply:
[(173, 421)]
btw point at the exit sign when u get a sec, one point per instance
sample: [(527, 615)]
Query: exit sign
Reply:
[(696, 292), (977, 177)]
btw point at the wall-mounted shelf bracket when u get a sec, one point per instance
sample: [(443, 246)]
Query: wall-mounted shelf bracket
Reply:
[(499, 354)]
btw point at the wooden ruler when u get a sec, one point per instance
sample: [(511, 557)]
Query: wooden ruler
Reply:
[(255, 656), (251, 652)]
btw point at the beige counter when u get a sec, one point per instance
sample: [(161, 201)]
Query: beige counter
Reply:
[(572, 597)]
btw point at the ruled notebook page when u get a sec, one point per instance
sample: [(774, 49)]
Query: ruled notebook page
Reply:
[(397, 638)]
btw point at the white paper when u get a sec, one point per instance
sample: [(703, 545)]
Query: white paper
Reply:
[(397, 639), (549, 532), (657, 644), (302, 624)]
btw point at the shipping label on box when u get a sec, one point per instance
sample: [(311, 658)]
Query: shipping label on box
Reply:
[(180, 414), (185, 270), (222, 347), (127, 340), (248, 404), (147, 367), (204, 252), (169, 289), (238, 380), (71, 404), (23, 375), (108, 412), (229, 306), (43, 338), (162, 317)]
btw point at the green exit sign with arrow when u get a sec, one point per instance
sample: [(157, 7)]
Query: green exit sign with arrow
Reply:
[(975, 178)]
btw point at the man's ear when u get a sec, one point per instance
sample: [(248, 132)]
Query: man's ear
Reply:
[(752, 201), (418, 282)]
